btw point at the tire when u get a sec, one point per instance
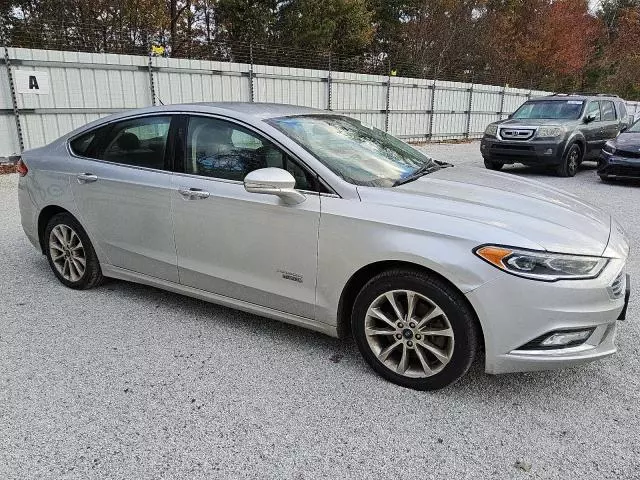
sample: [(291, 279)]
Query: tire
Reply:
[(67, 246), (570, 162), (454, 324), (491, 165)]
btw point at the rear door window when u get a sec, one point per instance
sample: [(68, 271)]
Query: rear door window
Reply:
[(139, 142), (623, 110), (608, 110)]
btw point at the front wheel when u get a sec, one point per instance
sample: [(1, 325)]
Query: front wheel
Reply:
[(491, 165), (570, 162), (414, 330), (70, 253)]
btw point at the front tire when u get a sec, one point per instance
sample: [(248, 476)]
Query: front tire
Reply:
[(491, 165), (570, 162), (414, 330), (70, 253)]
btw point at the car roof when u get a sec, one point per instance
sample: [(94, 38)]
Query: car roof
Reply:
[(577, 96), (250, 112), (254, 109)]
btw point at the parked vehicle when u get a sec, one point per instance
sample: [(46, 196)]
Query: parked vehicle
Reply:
[(315, 219), (559, 131), (620, 157)]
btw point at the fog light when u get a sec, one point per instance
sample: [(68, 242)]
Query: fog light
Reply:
[(562, 339), (548, 151)]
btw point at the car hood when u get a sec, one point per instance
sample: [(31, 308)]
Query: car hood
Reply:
[(555, 220), (627, 140), (534, 122)]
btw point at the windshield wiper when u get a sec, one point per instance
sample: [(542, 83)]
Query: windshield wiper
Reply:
[(425, 169)]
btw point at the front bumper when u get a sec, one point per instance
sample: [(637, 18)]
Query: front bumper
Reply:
[(514, 311), (616, 166), (526, 152)]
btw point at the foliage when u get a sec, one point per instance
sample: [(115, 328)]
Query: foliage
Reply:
[(550, 44)]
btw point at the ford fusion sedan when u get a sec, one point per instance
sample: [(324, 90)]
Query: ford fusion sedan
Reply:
[(321, 221), (620, 157)]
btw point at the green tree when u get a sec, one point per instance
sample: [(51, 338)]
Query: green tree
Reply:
[(341, 26)]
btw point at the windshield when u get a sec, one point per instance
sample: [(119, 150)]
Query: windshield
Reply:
[(550, 109), (635, 128), (359, 154)]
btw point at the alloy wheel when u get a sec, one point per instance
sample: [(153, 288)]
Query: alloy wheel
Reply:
[(409, 333), (67, 252), (573, 161)]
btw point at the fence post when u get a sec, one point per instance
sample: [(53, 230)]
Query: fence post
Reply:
[(468, 129), (152, 86), (504, 89), (14, 98), (386, 108), (329, 84), (251, 92), (433, 109)]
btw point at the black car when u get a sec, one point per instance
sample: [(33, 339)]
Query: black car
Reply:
[(620, 157), (559, 131)]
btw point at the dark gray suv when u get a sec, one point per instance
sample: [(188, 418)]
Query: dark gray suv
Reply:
[(559, 130)]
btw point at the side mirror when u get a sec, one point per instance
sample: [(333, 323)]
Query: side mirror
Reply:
[(274, 181), (623, 127), (589, 118)]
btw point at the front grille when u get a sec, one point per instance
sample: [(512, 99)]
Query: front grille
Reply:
[(618, 287), (628, 153), (516, 133)]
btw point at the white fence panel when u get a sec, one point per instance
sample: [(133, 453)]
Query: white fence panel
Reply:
[(296, 86), (86, 86), (180, 80)]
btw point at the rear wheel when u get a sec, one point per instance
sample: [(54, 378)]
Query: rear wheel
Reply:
[(414, 330), (570, 162), (70, 253), (491, 165)]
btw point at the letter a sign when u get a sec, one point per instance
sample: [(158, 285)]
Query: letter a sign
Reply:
[(28, 81)]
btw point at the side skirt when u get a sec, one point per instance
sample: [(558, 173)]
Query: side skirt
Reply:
[(130, 276)]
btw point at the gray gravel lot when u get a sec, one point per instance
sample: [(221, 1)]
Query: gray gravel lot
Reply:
[(127, 381)]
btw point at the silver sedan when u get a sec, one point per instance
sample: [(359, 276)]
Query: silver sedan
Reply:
[(321, 221)]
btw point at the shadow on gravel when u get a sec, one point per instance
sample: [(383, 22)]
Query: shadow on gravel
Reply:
[(202, 315)]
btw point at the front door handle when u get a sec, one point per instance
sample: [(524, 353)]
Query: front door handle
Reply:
[(87, 178), (193, 193)]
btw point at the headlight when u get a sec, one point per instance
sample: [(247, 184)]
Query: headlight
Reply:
[(492, 129), (541, 265), (609, 147), (549, 132)]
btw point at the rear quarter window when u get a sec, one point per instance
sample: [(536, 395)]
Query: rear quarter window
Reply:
[(80, 145)]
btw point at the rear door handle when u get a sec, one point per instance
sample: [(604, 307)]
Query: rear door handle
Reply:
[(193, 193), (87, 178)]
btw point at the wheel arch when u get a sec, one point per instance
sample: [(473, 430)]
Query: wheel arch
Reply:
[(578, 140), (43, 219), (367, 272)]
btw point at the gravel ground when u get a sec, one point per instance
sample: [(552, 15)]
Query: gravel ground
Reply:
[(127, 381)]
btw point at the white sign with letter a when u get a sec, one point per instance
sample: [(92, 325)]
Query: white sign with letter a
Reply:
[(28, 81)]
